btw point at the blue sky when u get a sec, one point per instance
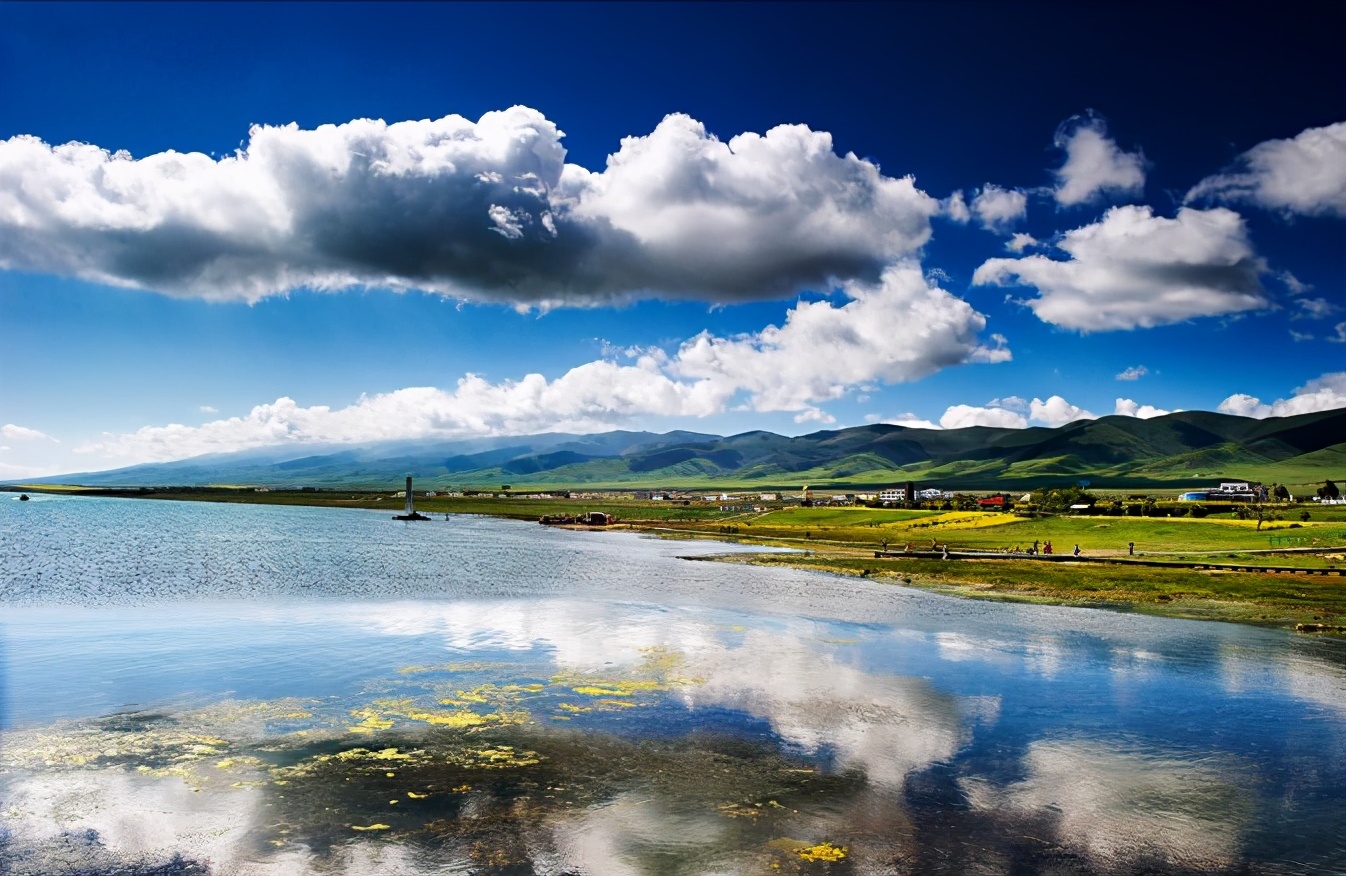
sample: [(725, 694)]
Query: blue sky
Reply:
[(514, 218)]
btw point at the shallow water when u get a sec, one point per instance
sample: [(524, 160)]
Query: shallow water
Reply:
[(195, 688)]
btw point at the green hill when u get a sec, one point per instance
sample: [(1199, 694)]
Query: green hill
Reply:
[(1187, 448)]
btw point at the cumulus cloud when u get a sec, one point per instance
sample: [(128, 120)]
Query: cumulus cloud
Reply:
[(1135, 372), (1128, 408), (1340, 338), (1304, 175), (486, 210), (910, 420), (1020, 241), (1133, 269), (1094, 163), (1324, 393), (1013, 412), (899, 329), (1007, 413), (997, 208), (954, 208), (11, 432), (1056, 411)]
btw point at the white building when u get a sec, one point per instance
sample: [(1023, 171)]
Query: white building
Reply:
[(898, 494)]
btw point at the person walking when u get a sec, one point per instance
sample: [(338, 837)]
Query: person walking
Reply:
[(1130, 548), (1077, 550)]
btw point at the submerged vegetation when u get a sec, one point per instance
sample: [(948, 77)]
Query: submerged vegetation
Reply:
[(498, 795)]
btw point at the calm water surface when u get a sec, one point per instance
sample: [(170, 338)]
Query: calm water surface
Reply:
[(189, 688)]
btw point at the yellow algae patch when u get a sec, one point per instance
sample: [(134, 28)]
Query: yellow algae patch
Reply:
[(450, 719), (414, 796), (372, 721), (571, 707), (381, 754), (280, 775), (822, 852), (626, 688), (228, 763), (495, 757), (164, 772), (618, 704), (370, 827)]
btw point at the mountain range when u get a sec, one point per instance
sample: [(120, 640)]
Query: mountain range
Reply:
[(1185, 448)]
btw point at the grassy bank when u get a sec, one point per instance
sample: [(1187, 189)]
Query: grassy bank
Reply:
[(843, 541)]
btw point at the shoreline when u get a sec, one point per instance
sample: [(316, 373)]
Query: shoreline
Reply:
[(1311, 603)]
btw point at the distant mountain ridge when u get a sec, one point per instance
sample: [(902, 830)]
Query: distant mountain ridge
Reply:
[(1180, 448)]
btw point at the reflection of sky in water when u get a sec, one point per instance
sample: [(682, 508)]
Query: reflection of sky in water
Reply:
[(933, 734)]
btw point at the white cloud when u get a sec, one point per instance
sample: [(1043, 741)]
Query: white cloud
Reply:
[(1303, 336), (897, 330), (962, 416), (1340, 329), (1128, 408), (910, 420), (1133, 269), (1314, 308), (1135, 372), (484, 210), (1123, 808), (998, 208), (1056, 411), (11, 432), (1020, 241), (954, 208), (814, 415), (1094, 164), (1293, 283), (1013, 412), (207, 409), (1305, 175), (1324, 393)]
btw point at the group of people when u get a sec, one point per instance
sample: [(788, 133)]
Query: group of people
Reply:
[(1041, 547)]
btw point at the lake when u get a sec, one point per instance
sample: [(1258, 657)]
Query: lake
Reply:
[(190, 688)]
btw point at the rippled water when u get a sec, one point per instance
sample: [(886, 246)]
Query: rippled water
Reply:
[(194, 688)]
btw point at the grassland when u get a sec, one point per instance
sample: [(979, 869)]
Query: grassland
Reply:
[(843, 540)]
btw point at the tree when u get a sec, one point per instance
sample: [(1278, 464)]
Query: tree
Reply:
[(1329, 491), (1061, 498), (1281, 492)]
